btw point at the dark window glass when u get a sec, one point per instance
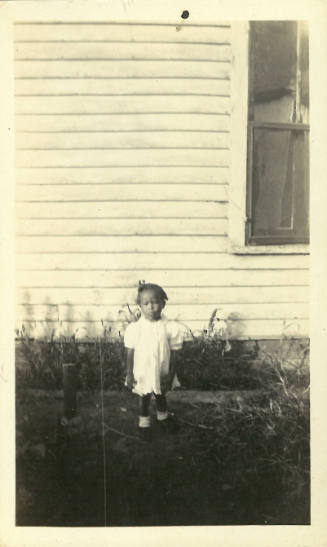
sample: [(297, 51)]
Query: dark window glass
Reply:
[(280, 162), (274, 70), (278, 145)]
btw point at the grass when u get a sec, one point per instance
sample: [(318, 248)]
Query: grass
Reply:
[(242, 460)]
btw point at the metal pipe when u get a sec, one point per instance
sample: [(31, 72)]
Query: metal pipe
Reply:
[(70, 390)]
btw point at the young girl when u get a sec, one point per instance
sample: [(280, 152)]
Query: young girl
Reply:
[(151, 344)]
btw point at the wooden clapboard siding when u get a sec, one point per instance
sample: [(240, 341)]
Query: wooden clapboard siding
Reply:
[(156, 261), (99, 158), (169, 278), (166, 121), (114, 140), (120, 104), (113, 244), (186, 312), (215, 296), (121, 209), (123, 68), (143, 86), (122, 226), (238, 329), (122, 170), (127, 175), (120, 192), (87, 32), (50, 51)]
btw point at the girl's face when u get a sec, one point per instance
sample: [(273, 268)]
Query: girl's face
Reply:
[(151, 305)]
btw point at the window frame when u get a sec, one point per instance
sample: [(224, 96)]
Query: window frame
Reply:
[(268, 239), (240, 127)]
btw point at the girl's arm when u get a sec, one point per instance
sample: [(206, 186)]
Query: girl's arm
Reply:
[(130, 381)]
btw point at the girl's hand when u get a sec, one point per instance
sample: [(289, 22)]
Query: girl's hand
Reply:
[(130, 381)]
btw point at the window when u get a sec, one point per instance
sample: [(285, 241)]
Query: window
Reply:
[(277, 193)]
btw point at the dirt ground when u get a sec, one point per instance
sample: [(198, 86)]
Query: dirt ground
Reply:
[(73, 475)]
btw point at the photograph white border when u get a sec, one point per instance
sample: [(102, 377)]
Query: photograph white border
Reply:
[(314, 535)]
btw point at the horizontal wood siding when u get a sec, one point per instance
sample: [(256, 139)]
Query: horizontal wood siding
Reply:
[(186, 312), (168, 278), (116, 140), (44, 105), (112, 87), (124, 68), (121, 50), (121, 244), (122, 172), (121, 209), (65, 260), (215, 296), (116, 192), (88, 32), (161, 121), (239, 329), (122, 226)]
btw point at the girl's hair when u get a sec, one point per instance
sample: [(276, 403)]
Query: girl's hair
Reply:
[(151, 287)]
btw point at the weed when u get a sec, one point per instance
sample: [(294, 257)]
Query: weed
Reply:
[(207, 360)]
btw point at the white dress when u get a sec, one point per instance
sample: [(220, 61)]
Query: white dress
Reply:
[(152, 342)]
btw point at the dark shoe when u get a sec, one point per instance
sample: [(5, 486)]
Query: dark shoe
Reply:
[(145, 434), (169, 425)]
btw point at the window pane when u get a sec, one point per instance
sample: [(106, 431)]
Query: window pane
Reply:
[(274, 70), (280, 183), (301, 183)]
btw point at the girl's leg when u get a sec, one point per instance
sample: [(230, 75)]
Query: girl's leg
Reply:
[(144, 416), (167, 422), (162, 411), (144, 405)]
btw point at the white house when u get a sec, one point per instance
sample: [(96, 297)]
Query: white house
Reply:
[(167, 152)]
